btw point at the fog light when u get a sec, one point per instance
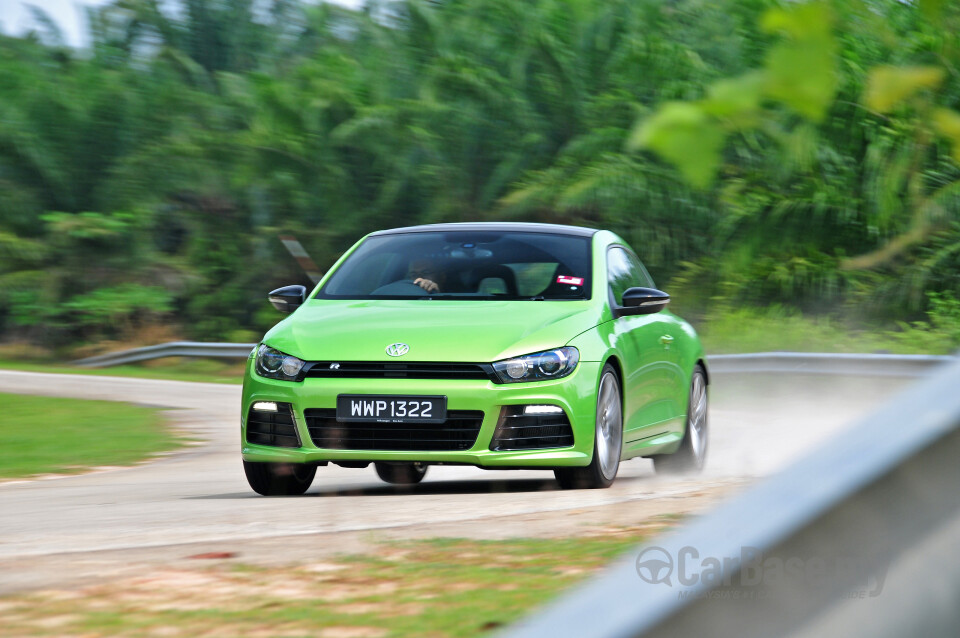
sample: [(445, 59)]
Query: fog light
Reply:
[(265, 406), (542, 409)]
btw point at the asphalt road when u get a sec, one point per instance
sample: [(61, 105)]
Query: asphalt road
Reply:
[(758, 424)]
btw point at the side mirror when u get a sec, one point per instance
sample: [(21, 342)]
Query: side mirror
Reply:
[(288, 298), (642, 301)]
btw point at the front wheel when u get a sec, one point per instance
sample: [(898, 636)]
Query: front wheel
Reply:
[(607, 441), (279, 479), (692, 453), (401, 473)]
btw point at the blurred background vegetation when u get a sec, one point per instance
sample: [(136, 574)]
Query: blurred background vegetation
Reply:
[(783, 168)]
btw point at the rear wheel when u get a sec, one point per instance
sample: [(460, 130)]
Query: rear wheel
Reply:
[(607, 443), (401, 473), (279, 479), (692, 453)]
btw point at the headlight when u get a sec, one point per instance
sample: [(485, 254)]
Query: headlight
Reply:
[(273, 364), (552, 364)]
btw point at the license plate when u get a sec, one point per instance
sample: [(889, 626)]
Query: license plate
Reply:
[(391, 408)]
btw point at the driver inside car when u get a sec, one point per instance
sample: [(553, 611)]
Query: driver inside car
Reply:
[(424, 273)]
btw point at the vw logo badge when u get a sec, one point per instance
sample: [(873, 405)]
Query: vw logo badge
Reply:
[(397, 349)]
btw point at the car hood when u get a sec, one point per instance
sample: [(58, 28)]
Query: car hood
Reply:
[(435, 330)]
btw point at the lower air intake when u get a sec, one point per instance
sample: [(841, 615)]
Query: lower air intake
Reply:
[(275, 428), (458, 432), (519, 431)]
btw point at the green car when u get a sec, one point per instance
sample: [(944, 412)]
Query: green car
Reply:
[(499, 345)]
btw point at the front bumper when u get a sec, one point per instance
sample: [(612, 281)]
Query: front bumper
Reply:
[(576, 394)]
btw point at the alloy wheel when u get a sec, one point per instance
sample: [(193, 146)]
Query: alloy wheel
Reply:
[(698, 418), (609, 425)]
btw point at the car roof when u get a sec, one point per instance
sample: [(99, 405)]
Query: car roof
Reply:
[(517, 227)]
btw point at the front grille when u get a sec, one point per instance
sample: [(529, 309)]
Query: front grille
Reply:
[(272, 428), (405, 370), (458, 432), (519, 431)]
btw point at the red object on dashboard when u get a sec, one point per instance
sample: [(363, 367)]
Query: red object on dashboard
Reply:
[(567, 279)]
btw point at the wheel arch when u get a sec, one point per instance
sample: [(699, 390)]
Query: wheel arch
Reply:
[(702, 362), (613, 360)]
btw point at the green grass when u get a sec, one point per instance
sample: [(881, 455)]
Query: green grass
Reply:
[(776, 329), (175, 368), (40, 435), (449, 587)]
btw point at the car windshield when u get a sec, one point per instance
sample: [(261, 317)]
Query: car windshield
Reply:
[(465, 265)]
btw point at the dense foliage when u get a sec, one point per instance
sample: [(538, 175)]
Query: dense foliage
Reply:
[(753, 152)]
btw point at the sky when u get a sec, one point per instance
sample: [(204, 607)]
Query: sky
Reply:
[(16, 18)]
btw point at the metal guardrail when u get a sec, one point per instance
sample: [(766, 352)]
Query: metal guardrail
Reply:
[(171, 349), (785, 362), (862, 365), (861, 537)]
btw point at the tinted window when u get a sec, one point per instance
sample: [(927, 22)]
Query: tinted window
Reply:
[(465, 265), (625, 271)]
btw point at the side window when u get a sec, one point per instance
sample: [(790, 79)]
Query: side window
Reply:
[(624, 271), (619, 273)]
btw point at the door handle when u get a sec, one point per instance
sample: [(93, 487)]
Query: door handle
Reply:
[(666, 340)]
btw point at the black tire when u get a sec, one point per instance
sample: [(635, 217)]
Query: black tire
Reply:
[(401, 473), (692, 453), (279, 479), (607, 440)]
